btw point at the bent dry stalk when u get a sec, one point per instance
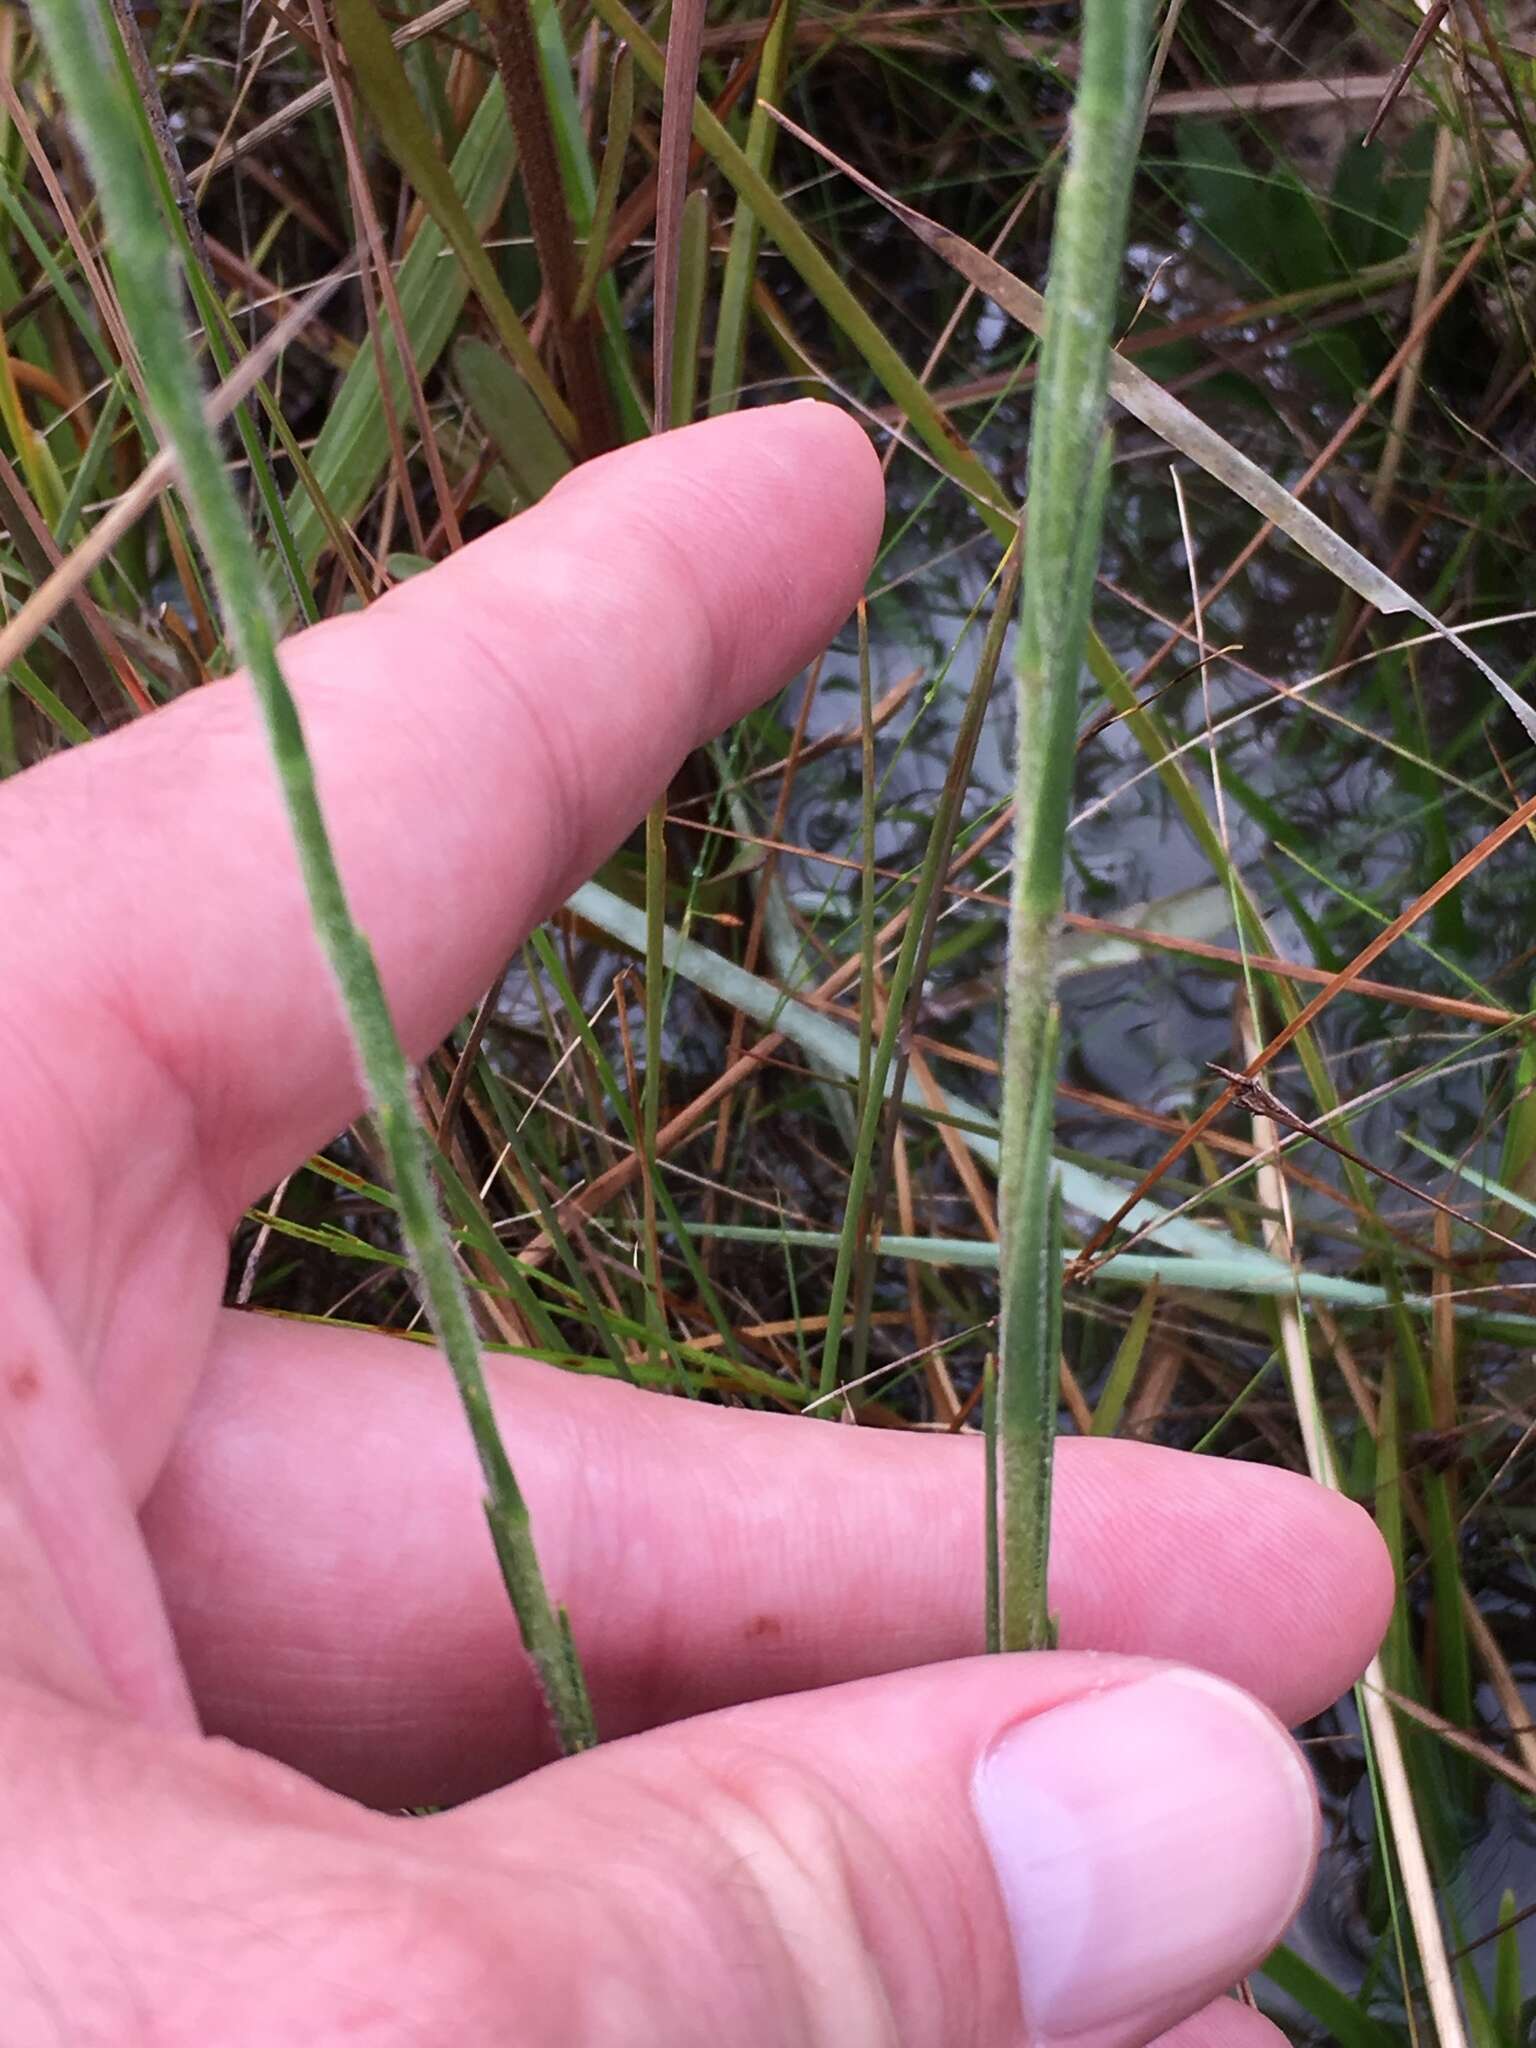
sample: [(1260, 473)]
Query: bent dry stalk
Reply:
[(1068, 471), (92, 74)]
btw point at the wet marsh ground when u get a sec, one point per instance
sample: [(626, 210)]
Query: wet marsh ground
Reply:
[(1330, 763)]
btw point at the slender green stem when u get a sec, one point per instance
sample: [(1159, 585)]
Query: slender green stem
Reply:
[(911, 962), (144, 261), (867, 949), (741, 257), (992, 1631), (1068, 469), (655, 1012), (621, 122)]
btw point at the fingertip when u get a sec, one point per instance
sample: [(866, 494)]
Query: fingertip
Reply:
[(758, 529), (812, 523), (1361, 1572), (1305, 1585), (1223, 2024), (1328, 1553), (837, 447), (772, 515)]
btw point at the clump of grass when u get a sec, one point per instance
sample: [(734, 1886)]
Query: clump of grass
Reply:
[(759, 1204)]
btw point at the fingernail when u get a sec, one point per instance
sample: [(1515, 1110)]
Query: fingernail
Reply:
[(1151, 1842)]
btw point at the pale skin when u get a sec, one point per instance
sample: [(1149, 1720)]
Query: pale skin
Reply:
[(217, 1522)]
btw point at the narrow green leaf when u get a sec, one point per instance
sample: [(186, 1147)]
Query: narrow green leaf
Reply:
[(685, 41), (1508, 2004), (1122, 1374), (1345, 2022), (741, 257), (386, 90), (1194, 1274), (621, 121), (886, 1076), (692, 276)]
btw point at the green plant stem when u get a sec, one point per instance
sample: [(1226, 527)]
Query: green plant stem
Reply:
[(911, 960), (992, 1630), (868, 953), (741, 257), (655, 1014), (1068, 470), (144, 262), (621, 121)]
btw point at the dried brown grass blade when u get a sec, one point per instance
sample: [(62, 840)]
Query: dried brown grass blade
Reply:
[(1433, 17), (1482, 1752)]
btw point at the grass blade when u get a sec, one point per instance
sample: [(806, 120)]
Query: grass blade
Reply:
[(621, 122), (836, 1046), (741, 257), (353, 444), (685, 42), (884, 1076), (535, 456), (144, 262), (1127, 1361), (514, 39)]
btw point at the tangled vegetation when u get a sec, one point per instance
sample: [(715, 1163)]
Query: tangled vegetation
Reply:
[(438, 256)]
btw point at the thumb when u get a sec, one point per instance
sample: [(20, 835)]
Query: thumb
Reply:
[(1042, 1850)]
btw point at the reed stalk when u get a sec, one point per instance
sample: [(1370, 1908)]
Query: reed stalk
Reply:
[(1068, 470)]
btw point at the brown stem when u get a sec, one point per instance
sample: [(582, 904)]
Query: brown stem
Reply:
[(509, 24)]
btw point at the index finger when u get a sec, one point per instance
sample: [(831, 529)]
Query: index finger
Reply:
[(483, 737)]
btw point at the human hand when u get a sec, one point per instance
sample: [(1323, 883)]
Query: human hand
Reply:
[(807, 1837)]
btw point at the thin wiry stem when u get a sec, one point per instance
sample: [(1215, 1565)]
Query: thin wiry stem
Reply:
[(98, 92)]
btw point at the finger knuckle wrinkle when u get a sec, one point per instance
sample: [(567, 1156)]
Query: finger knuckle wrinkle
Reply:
[(793, 1854)]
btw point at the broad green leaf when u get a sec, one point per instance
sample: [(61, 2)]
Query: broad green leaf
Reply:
[(534, 454)]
